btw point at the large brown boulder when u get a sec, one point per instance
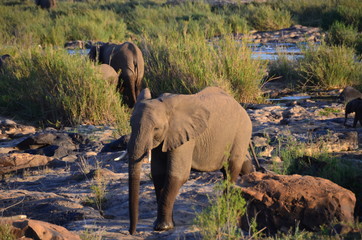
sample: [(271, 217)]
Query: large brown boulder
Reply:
[(10, 162), (33, 229), (279, 202)]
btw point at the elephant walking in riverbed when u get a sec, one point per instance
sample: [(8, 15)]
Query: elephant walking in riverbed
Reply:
[(200, 131), (354, 106), (127, 58)]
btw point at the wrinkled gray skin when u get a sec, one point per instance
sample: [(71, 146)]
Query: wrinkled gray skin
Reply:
[(354, 106), (348, 94), (184, 132), (108, 74), (3, 59), (45, 4), (128, 58)]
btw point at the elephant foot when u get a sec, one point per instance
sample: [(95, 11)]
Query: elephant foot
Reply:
[(163, 225)]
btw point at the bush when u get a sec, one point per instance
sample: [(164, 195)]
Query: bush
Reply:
[(220, 219), (284, 69), (52, 86), (330, 67), (266, 18), (341, 34)]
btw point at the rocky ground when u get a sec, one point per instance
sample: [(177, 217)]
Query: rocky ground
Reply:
[(59, 186)]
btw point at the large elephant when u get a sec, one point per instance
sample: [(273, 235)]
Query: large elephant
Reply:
[(354, 106), (184, 132), (46, 3), (128, 59)]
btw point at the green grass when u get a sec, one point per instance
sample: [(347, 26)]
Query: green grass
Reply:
[(64, 23), (6, 232), (330, 67), (220, 219)]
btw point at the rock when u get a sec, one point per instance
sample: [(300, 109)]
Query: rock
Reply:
[(10, 129), (48, 207), (34, 229), (279, 202), (51, 144), (14, 161), (117, 145)]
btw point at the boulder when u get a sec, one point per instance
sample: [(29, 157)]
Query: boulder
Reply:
[(51, 144), (48, 207), (10, 162), (33, 229), (280, 202)]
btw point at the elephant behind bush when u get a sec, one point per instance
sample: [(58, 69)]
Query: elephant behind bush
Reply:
[(128, 59)]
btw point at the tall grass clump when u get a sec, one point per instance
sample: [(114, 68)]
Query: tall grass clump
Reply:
[(52, 86), (187, 63), (341, 34), (266, 18), (220, 220), (6, 232), (284, 69), (330, 67)]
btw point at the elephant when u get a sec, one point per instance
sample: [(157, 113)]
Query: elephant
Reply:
[(128, 58), (354, 106), (3, 59), (349, 93), (46, 3), (108, 74), (199, 132)]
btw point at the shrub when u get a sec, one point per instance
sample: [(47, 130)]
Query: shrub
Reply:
[(188, 63), (266, 18), (220, 219), (330, 67), (341, 34), (51, 86), (284, 69)]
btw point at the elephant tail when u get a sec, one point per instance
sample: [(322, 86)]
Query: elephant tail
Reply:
[(256, 161), (255, 158)]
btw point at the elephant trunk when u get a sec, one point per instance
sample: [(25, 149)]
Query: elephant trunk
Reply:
[(136, 157), (134, 171)]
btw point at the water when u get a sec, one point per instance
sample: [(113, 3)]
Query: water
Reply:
[(262, 51), (271, 51)]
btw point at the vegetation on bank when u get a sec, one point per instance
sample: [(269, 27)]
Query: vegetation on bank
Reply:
[(181, 52)]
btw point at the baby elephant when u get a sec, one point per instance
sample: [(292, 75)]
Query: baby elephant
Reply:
[(348, 94), (356, 107)]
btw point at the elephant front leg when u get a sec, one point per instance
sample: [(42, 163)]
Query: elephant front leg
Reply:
[(177, 173)]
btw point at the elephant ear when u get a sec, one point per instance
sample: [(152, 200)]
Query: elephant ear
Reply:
[(145, 94), (187, 121)]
